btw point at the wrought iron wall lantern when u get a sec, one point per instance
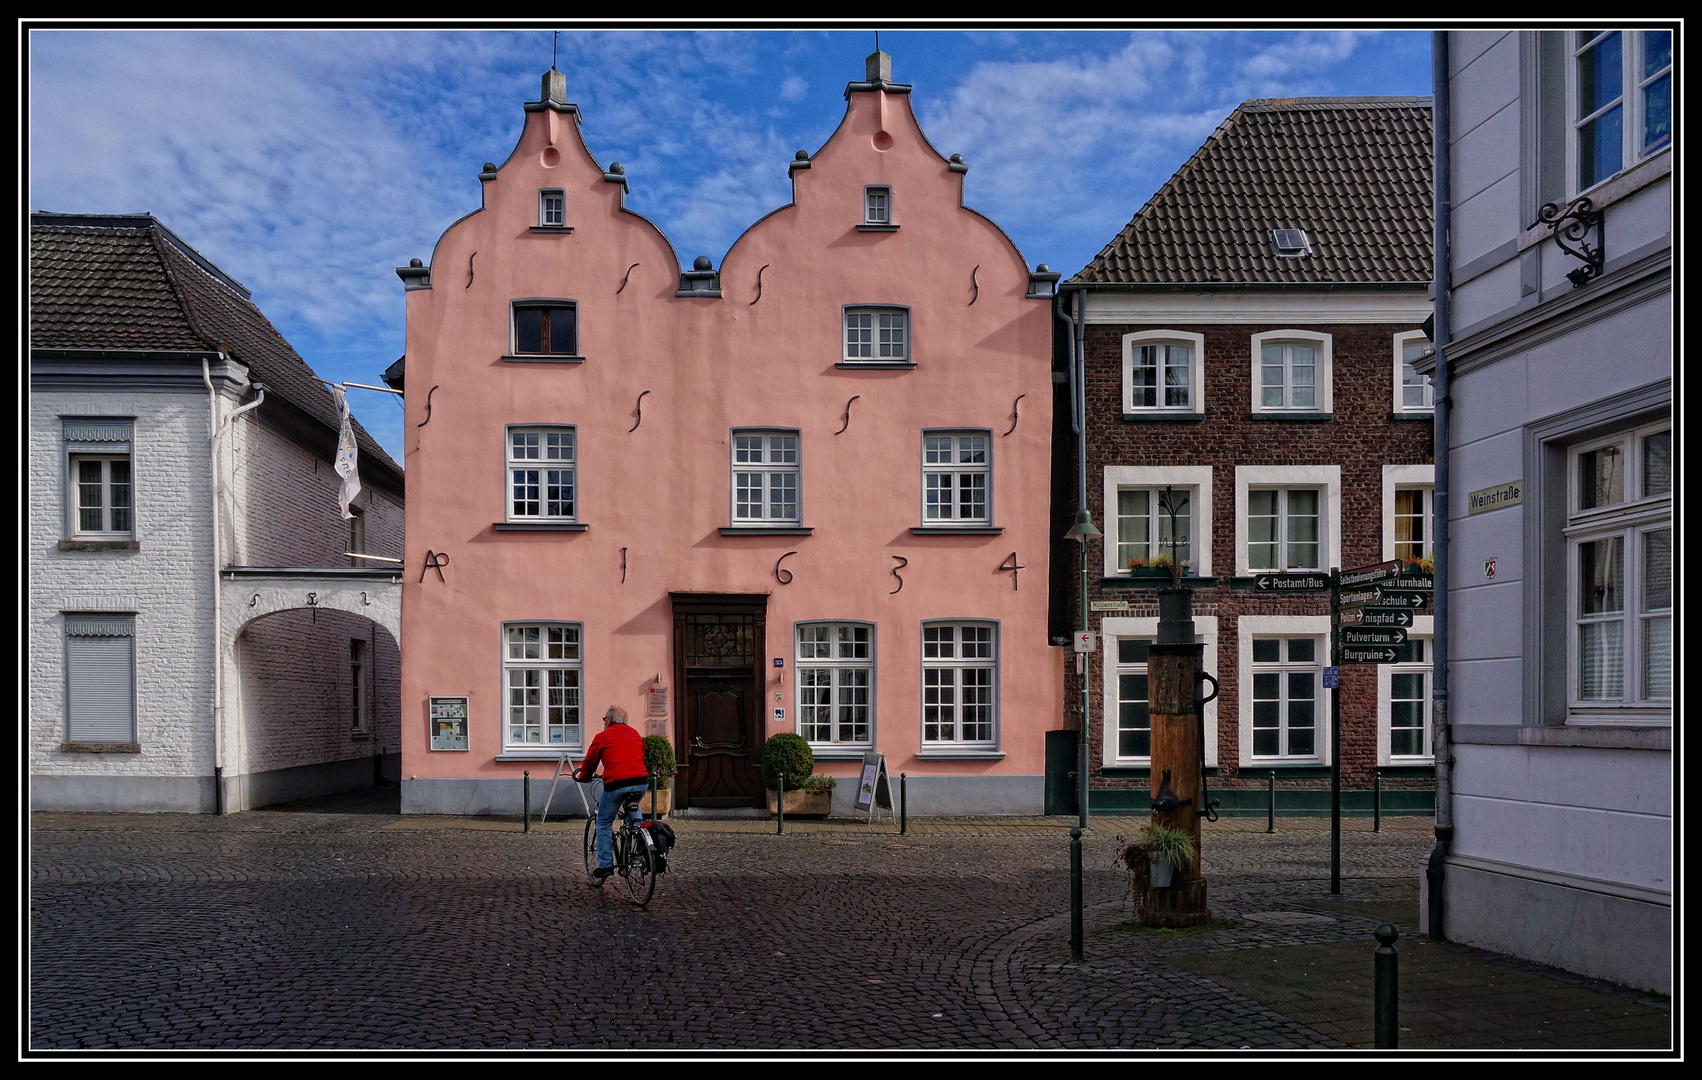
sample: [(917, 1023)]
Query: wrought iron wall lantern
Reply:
[(1571, 226)]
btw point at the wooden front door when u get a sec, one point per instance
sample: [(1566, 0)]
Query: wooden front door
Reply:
[(718, 643)]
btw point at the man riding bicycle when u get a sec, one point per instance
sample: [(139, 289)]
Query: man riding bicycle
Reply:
[(620, 750)]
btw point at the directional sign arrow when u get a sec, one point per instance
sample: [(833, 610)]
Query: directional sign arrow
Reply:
[(1349, 598), (1291, 582), (1396, 636), (1402, 598), (1367, 655), (1417, 582), (1376, 617), (1370, 575)]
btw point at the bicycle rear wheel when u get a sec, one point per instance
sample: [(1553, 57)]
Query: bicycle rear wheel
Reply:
[(590, 843), (640, 871)]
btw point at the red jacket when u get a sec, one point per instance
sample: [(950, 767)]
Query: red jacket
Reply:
[(621, 752)]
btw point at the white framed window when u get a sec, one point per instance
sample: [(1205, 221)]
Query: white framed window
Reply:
[(1163, 371), (1287, 517), (1127, 723), (877, 335), (836, 685), (957, 478), (1291, 372), (766, 473), (1284, 709), (358, 716), (960, 667), (1404, 704), (1413, 392), (541, 670), (1619, 577), (1135, 498), (1408, 512), (1619, 101), (541, 474), (877, 205), (101, 497), (100, 677), (552, 208), (545, 328)]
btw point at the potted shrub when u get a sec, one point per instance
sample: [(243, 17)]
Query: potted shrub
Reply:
[(788, 757), (1168, 852), (659, 761)]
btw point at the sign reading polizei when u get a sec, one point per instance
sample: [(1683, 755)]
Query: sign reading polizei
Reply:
[(1271, 583), (1370, 575), (1356, 636), (1374, 617), (1365, 654)]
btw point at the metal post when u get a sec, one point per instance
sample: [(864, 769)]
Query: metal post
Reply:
[(1075, 894), (1335, 734), (526, 798), (1386, 976), (1271, 817), (780, 807), (1377, 802), (903, 803)]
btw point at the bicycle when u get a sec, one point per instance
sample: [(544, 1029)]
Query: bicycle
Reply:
[(636, 859)]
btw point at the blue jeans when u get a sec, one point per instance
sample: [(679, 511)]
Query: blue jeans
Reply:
[(606, 809)]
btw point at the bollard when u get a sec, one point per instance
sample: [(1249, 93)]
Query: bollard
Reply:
[(780, 807), (1377, 803), (1271, 820), (1385, 1006), (903, 803), (1075, 894), (652, 778), (526, 797)]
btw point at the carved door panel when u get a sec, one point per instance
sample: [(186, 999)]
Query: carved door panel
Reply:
[(717, 640)]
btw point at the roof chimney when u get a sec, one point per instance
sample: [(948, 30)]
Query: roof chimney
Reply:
[(555, 87), (878, 67)]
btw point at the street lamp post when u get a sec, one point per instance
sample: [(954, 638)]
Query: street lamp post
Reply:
[(1082, 532)]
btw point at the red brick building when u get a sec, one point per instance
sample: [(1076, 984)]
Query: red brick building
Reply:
[(1244, 346)]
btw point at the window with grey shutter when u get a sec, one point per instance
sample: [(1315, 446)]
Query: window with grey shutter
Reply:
[(100, 678)]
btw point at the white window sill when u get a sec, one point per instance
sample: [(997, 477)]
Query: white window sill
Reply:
[(93, 544), (839, 753), (540, 755), (768, 530), (965, 529), (875, 365), (959, 754), (540, 526)]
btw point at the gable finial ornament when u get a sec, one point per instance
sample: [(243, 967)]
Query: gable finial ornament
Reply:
[(1573, 223)]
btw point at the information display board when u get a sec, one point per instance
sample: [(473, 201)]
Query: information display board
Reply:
[(448, 725), (873, 788)]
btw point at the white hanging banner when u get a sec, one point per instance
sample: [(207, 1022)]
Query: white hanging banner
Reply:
[(346, 454)]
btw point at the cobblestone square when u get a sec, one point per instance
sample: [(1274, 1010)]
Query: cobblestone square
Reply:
[(348, 930)]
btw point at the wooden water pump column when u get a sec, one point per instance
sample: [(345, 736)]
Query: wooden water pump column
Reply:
[(1173, 695)]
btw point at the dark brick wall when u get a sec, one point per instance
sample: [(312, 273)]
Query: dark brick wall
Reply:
[(1361, 437)]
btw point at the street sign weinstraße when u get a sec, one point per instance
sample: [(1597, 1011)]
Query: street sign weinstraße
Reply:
[(1282, 583), (1370, 575), (1357, 636), (1371, 617), (1367, 654)]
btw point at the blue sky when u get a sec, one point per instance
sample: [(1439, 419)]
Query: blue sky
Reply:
[(308, 164)]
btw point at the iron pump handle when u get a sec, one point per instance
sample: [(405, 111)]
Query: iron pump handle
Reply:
[(1208, 805)]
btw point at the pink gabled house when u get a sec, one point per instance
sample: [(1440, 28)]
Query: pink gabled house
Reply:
[(781, 496)]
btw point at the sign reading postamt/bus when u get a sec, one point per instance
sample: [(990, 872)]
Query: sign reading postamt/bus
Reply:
[(1282, 583)]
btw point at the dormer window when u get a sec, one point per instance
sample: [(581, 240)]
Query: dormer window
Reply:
[(877, 206), (552, 208), (1290, 243)]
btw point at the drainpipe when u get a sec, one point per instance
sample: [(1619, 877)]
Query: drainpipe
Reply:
[(1441, 128), (214, 427)]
